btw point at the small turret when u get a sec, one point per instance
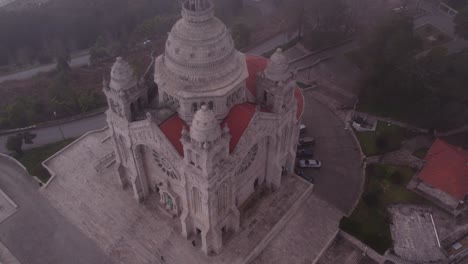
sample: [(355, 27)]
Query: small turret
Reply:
[(124, 96), (275, 86), (278, 67), (206, 143), (122, 76)]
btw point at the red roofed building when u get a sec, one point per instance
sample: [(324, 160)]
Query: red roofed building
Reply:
[(445, 175), (211, 128)]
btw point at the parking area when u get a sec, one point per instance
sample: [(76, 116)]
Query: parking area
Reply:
[(339, 179)]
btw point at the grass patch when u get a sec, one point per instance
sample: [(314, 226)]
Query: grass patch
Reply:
[(421, 153), (33, 158), (432, 36), (384, 139), (370, 221)]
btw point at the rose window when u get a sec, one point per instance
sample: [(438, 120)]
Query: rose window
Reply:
[(164, 165)]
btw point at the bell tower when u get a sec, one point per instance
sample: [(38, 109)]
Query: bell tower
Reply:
[(126, 99), (211, 205), (275, 86)]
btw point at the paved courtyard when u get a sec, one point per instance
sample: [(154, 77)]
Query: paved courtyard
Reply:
[(305, 236), (36, 233), (414, 235), (141, 233), (344, 252), (7, 207)]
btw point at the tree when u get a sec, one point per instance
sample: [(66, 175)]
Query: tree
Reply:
[(15, 143), (461, 23), (63, 62), (27, 137), (326, 23), (99, 50), (241, 35)]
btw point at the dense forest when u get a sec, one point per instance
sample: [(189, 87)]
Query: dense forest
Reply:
[(37, 36), (428, 90)]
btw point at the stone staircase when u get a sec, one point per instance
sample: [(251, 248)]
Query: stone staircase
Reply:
[(104, 162), (266, 207)]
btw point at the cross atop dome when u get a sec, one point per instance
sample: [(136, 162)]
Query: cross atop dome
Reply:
[(198, 5)]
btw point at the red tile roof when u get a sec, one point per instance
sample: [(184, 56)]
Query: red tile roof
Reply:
[(172, 128), (446, 169), (240, 115), (255, 64), (238, 120)]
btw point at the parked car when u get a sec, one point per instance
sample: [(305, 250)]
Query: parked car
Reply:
[(302, 128), (310, 163), (306, 141), (305, 152)]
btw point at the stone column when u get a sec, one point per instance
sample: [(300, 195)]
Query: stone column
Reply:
[(273, 168), (140, 183)]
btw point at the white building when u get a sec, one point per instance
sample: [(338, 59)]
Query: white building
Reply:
[(217, 126)]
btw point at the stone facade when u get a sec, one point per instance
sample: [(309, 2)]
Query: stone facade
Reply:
[(202, 140)]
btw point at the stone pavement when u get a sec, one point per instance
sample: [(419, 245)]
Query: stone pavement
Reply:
[(305, 236), (7, 207), (140, 233), (36, 233), (344, 252), (398, 158), (6, 257)]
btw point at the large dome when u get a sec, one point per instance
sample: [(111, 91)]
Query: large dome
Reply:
[(200, 54)]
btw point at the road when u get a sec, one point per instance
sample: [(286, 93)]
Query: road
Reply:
[(74, 62), (37, 233), (52, 134), (339, 180)]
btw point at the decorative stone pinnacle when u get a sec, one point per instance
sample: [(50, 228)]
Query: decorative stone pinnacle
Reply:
[(198, 5)]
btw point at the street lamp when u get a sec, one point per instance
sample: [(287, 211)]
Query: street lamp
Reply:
[(60, 127)]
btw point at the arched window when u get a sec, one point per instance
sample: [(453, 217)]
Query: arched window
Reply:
[(248, 160), (190, 156), (194, 107), (196, 200), (223, 198), (210, 105)]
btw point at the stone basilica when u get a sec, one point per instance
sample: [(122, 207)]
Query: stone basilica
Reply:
[(210, 129)]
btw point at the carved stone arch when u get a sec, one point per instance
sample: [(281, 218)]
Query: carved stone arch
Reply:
[(248, 159), (196, 200), (223, 198), (169, 199)]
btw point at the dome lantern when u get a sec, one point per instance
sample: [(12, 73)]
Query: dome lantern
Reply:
[(205, 126)]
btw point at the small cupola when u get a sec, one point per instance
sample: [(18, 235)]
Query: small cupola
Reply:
[(122, 76), (205, 127), (278, 67)]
